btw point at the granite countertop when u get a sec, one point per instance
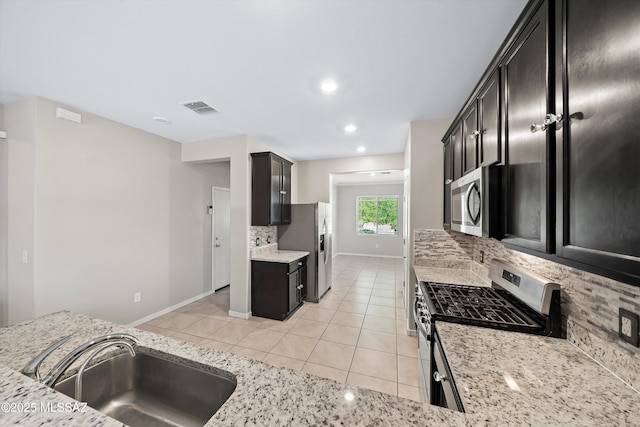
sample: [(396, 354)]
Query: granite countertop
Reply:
[(279, 256), (456, 276), (265, 395), (532, 380)]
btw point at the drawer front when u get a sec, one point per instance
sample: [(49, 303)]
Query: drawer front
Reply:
[(293, 266)]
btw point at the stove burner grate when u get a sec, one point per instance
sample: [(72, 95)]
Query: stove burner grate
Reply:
[(476, 305)]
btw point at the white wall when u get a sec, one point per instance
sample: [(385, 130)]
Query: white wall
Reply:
[(20, 122), (426, 172), (314, 176), (424, 161), (4, 152), (349, 241), (115, 211), (237, 150)]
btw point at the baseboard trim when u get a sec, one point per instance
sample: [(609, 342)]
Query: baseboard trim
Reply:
[(369, 255), (240, 314), (168, 309)]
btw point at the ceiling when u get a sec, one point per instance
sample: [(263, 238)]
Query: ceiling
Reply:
[(259, 63)]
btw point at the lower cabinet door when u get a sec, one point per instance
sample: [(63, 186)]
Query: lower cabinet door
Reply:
[(294, 291)]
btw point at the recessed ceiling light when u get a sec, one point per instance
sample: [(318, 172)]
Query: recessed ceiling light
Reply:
[(328, 86), (162, 120), (361, 149), (350, 128)]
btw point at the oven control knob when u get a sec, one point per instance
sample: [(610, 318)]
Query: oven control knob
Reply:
[(439, 378)]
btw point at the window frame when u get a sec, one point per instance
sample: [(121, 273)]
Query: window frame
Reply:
[(377, 223)]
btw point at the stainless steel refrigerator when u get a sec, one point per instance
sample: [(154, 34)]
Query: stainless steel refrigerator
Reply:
[(310, 230)]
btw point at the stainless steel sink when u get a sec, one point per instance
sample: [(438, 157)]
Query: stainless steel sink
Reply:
[(147, 390)]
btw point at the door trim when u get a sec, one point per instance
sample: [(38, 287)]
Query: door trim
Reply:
[(213, 234)]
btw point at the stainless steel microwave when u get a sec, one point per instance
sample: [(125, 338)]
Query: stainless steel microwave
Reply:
[(475, 203), (466, 203)]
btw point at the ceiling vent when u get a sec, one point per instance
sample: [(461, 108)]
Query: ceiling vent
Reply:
[(199, 107)]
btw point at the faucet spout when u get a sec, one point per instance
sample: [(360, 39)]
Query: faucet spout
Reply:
[(53, 376), (122, 343)]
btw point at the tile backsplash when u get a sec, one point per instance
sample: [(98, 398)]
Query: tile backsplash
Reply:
[(590, 302), (266, 235)]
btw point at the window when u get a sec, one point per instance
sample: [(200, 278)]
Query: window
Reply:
[(377, 215)]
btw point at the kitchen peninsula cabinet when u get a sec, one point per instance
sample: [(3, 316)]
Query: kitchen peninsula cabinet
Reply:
[(277, 288), (598, 149), (271, 189), (528, 172)]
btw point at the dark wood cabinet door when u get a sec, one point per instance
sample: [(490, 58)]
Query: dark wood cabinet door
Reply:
[(269, 290), (285, 193), (456, 144), (275, 205), (448, 179), (271, 190), (489, 122), (598, 197), (527, 172), (470, 138)]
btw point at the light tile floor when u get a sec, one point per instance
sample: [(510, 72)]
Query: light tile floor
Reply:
[(355, 335)]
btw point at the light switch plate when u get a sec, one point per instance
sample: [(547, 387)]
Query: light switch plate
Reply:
[(628, 326)]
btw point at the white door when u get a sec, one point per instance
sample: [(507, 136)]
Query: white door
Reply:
[(221, 238)]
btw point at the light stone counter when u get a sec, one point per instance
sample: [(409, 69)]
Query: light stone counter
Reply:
[(279, 256), (531, 380), (265, 395)]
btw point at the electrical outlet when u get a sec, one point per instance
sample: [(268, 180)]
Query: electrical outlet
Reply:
[(628, 326), (137, 297)]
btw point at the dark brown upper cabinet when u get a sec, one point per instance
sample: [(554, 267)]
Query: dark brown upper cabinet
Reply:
[(563, 92), (598, 148), (528, 170), (489, 147), (271, 189), (457, 151), (481, 127), (470, 138), (448, 179)]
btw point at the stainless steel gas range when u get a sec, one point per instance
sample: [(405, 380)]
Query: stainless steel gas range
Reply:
[(517, 300)]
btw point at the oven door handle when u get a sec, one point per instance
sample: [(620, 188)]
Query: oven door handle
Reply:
[(415, 309), (423, 329)]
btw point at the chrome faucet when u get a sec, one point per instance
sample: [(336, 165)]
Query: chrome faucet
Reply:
[(124, 343), (32, 369)]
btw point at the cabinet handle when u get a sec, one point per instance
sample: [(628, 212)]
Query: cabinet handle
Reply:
[(439, 378), (448, 181), (283, 192), (300, 287), (300, 264), (549, 119), (473, 134)]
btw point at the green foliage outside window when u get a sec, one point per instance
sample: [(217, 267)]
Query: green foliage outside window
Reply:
[(377, 215)]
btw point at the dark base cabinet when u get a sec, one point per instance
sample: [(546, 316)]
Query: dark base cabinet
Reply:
[(277, 289)]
